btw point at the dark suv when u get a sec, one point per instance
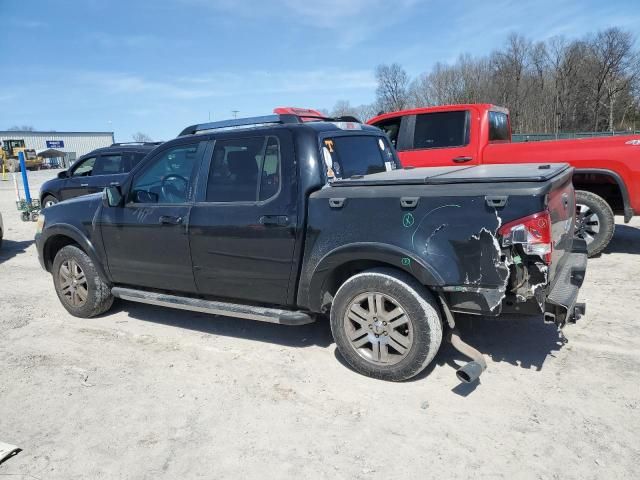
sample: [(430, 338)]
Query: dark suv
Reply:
[(94, 171), (285, 220)]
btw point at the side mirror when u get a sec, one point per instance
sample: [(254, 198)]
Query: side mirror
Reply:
[(63, 174), (112, 196)]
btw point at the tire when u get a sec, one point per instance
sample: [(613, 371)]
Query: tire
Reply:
[(595, 222), (97, 298), (418, 326), (14, 165), (49, 200)]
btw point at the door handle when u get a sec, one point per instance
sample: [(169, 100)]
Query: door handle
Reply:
[(115, 184), (278, 220), (84, 184), (461, 159), (169, 220)]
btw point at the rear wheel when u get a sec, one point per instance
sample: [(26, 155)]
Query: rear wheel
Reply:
[(78, 284), (386, 324), (595, 222), (49, 200)]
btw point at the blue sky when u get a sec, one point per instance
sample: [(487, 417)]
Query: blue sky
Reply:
[(158, 65)]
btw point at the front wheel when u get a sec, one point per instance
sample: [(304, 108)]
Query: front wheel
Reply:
[(78, 284), (385, 324), (49, 200), (595, 222), (14, 165)]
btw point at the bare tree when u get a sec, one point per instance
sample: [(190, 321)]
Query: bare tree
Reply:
[(611, 59), (557, 85), (393, 83), (141, 137), (343, 108)]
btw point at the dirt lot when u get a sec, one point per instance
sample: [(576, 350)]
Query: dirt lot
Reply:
[(145, 392)]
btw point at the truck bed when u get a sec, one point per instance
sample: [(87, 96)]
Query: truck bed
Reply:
[(443, 225), (453, 175)]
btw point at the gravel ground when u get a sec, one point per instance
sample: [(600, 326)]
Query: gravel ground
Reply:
[(146, 392)]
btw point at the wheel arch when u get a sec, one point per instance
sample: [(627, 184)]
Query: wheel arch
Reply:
[(343, 262), (583, 179), (46, 194), (60, 236)]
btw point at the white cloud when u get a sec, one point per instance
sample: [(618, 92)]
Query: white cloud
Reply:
[(108, 40), (229, 84), (347, 22)]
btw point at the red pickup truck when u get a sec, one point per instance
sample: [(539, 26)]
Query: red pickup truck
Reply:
[(607, 169)]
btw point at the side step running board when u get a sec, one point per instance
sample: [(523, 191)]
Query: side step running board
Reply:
[(261, 314)]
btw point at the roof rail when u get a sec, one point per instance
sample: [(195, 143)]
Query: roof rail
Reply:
[(240, 122), (281, 115), (121, 144)]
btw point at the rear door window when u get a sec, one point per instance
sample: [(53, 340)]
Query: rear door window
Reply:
[(499, 127), (347, 156), (108, 165), (441, 130), (244, 170)]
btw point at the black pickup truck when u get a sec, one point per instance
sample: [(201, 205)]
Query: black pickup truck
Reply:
[(286, 220)]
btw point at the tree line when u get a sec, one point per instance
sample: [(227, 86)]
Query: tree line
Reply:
[(586, 84)]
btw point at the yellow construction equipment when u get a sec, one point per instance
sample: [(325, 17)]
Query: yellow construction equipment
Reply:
[(9, 156)]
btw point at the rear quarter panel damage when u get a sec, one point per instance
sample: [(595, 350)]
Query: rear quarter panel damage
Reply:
[(448, 242)]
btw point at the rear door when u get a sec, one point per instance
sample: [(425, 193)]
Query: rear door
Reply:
[(437, 139), (242, 228)]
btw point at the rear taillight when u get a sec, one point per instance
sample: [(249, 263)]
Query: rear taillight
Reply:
[(532, 232)]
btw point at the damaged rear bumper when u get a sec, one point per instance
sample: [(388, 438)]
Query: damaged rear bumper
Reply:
[(561, 304)]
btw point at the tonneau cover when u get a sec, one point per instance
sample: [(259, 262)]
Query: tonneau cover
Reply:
[(531, 172)]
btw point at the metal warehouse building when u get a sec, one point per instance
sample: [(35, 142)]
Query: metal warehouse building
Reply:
[(73, 144)]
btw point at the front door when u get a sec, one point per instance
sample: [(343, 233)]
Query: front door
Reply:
[(146, 240), (78, 182), (438, 139), (242, 228), (109, 170)]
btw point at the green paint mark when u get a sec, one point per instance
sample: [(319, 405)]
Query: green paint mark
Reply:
[(407, 219), (517, 260), (406, 261)]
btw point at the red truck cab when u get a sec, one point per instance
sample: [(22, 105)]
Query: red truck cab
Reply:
[(607, 169)]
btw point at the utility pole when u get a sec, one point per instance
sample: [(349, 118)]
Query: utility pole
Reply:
[(235, 113)]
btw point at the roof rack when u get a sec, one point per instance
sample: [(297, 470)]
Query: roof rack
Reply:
[(240, 122), (121, 144), (281, 115)]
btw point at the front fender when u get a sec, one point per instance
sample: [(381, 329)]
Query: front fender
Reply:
[(309, 292), (46, 238)]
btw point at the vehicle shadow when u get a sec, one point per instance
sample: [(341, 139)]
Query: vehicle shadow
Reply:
[(626, 239), (522, 341), (317, 333), (11, 248)]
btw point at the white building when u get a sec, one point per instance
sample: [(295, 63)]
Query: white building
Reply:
[(73, 144)]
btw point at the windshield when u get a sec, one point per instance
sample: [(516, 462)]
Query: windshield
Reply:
[(346, 156)]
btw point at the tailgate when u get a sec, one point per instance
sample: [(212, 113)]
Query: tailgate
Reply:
[(562, 208)]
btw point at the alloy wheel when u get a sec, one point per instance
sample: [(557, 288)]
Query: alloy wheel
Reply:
[(587, 223), (378, 328), (73, 283)]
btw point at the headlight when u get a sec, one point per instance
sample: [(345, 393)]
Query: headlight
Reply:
[(40, 223)]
